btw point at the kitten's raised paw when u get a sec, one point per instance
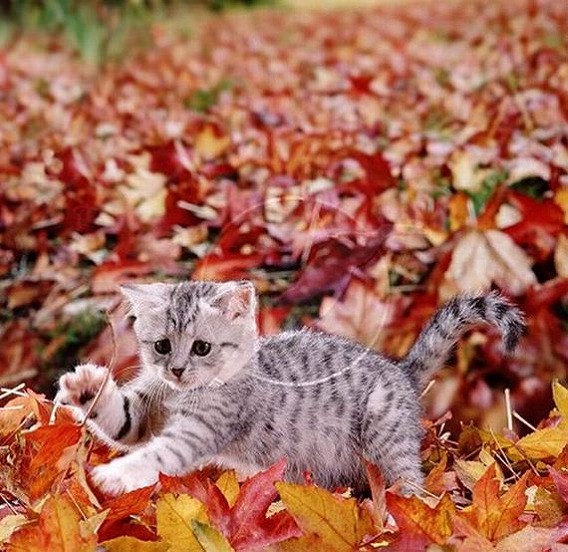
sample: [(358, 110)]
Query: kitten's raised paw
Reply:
[(78, 388)]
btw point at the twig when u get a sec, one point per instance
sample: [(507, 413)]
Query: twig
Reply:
[(6, 392), (76, 504), (422, 489), (107, 375), (431, 384), (509, 411), (522, 420), (502, 455), (7, 502)]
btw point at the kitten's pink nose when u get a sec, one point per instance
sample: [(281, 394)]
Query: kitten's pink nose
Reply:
[(177, 372)]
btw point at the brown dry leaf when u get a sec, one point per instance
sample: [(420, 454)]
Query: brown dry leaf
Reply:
[(361, 315), (481, 258)]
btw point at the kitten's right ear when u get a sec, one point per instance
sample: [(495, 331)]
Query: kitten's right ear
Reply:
[(144, 296), (235, 299)]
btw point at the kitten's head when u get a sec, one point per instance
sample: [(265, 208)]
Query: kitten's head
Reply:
[(194, 334)]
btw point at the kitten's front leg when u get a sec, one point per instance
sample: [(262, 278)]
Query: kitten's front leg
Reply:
[(184, 445)]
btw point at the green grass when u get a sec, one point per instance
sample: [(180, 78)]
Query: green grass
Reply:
[(99, 30)]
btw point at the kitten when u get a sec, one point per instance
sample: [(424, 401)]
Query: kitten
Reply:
[(222, 394)]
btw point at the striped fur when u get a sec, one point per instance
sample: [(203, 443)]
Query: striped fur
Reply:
[(319, 400)]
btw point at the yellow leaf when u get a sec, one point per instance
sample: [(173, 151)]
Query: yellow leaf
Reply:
[(174, 516), (469, 471), (57, 530), (130, 544), (209, 144), (560, 394), (229, 486), (544, 443), (209, 538), (561, 199), (341, 524)]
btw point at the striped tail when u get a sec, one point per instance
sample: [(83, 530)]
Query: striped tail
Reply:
[(443, 330)]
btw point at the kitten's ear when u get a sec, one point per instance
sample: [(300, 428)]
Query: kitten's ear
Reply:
[(235, 299), (144, 296)]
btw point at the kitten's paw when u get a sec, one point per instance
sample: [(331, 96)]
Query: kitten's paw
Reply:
[(79, 388), (122, 476)]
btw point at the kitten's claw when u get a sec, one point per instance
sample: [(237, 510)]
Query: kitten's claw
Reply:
[(78, 388), (122, 476)]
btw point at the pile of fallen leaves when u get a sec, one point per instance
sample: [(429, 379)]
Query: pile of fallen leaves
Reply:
[(486, 492), (360, 167)]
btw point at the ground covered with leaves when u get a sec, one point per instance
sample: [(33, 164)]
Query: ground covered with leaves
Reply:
[(360, 167)]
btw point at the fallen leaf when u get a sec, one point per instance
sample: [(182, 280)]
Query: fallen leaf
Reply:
[(340, 524), (209, 538), (419, 524), (174, 517), (57, 529), (480, 259), (495, 516)]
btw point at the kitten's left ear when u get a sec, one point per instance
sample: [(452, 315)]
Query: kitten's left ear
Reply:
[(144, 296), (236, 299)]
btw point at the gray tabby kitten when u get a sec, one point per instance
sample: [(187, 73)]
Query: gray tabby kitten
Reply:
[(211, 390)]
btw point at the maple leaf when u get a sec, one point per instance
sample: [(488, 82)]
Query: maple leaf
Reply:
[(339, 524), (325, 268), (496, 516), (249, 525), (360, 315), (58, 528), (50, 450), (174, 516), (122, 508), (549, 441), (419, 525), (482, 258)]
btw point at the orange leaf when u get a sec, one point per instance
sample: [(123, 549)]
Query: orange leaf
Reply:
[(497, 516), (50, 458), (419, 524), (57, 530)]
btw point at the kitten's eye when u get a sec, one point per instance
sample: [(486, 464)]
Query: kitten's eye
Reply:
[(162, 346), (200, 348)]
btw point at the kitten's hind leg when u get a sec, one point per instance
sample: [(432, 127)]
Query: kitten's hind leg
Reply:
[(391, 437), (399, 461)]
